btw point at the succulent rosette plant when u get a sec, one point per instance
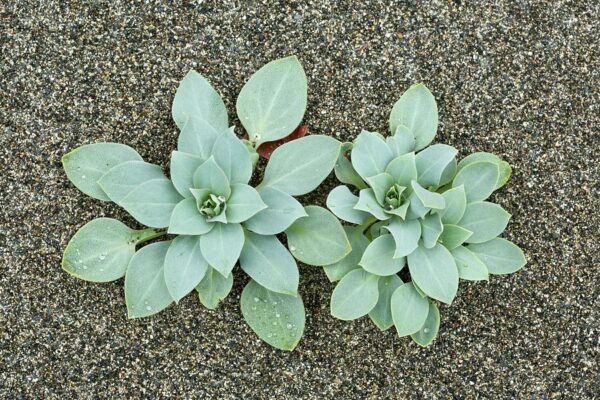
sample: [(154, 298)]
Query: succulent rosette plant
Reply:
[(418, 209), (218, 218)]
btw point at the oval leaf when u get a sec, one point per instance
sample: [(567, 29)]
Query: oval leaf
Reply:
[(456, 203), (470, 267), (486, 221), (504, 168), (123, 178), (210, 176), (184, 266), (222, 246), (355, 295), (183, 166), (454, 235), (430, 328), (213, 288), (243, 203), (379, 259), (187, 220), (431, 229), (500, 256), (233, 157), (152, 202), (370, 154), (409, 309), (359, 243), (341, 202), (282, 210), (432, 162), (434, 270), (381, 314), (406, 235), (402, 142), (403, 168), (479, 180)]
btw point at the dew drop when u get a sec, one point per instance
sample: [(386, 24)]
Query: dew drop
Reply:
[(274, 303), (102, 256), (148, 308), (82, 176), (292, 248), (289, 326), (270, 335), (274, 323), (85, 267), (256, 299), (254, 307), (277, 315), (426, 330)]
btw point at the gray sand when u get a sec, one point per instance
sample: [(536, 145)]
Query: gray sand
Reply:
[(519, 79)]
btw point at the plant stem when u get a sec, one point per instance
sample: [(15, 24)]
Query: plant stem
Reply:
[(144, 235)]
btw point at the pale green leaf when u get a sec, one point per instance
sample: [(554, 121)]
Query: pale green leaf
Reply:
[(400, 211), (345, 172), (183, 166), (213, 288), (233, 157), (355, 295), (430, 328), (123, 178), (370, 154), (486, 221), (317, 239), (381, 314), (341, 202), (243, 203), (269, 263), (409, 309), (368, 203), (276, 318), (449, 173), (272, 103), (359, 243), (379, 259), (146, 292), (416, 209), (432, 162), (380, 184), (184, 266), (500, 256), (187, 220), (222, 246), (86, 164), (504, 168), (210, 176), (434, 270), (470, 267), (454, 235), (456, 202), (428, 199), (281, 212), (479, 180), (416, 109), (431, 229), (152, 202), (406, 235), (402, 142), (403, 168), (299, 166)]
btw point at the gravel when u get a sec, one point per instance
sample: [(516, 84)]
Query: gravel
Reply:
[(517, 78)]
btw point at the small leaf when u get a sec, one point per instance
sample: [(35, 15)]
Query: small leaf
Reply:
[(184, 266), (432, 162), (269, 263), (276, 318), (456, 203), (359, 243), (430, 328), (479, 180), (222, 246), (380, 184), (470, 267), (299, 166), (504, 168), (146, 292), (434, 270), (454, 235), (370, 154), (402, 142), (355, 295), (486, 221), (86, 164), (200, 113), (152, 202), (379, 259), (345, 172), (213, 288), (406, 235), (100, 251), (416, 209), (431, 229), (403, 168), (416, 110), (123, 178), (428, 199), (187, 220), (341, 202), (244, 203), (233, 157), (499, 255), (381, 314), (210, 176), (317, 239), (368, 203), (409, 309), (400, 211), (282, 210), (272, 103), (266, 149), (183, 166)]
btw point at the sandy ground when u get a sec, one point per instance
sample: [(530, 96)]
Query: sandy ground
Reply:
[(520, 79)]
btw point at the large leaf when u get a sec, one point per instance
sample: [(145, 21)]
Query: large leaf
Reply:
[(432, 162), (345, 172), (200, 113), (210, 176), (233, 158), (184, 266), (381, 314), (379, 259), (359, 243), (187, 220), (317, 239), (370, 154), (146, 292), (355, 295), (402, 142), (403, 168), (152, 202), (434, 270), (243, 203), (504, 168), (486, 221), (367, 202), (479, 180), (456, 202), (406, 235), (123, 178), (272, 103), (500, 256), (99, 251), (454, 235), (213, 288), (470, 267), (269, 263), (276, 318), (282, 210), (431, 229), (299, 166), (409, 309), (416, 110), (430, 328), (341, 202), (86, 164), (222, 246), (183, 166)]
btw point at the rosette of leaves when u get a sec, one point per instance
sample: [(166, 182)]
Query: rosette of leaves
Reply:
[(218, 218), (422, 222)]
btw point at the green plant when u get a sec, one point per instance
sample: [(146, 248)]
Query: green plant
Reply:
[(418, 207), (208, 202)]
